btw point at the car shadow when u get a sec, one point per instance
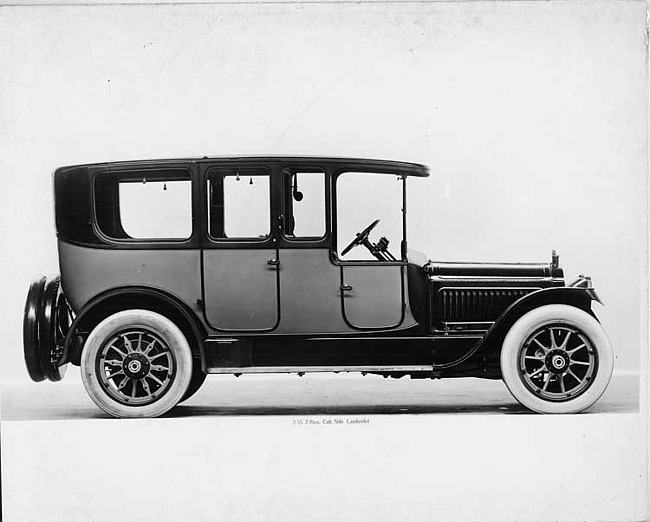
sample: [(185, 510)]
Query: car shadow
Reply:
[(356, 410), (71, 403)]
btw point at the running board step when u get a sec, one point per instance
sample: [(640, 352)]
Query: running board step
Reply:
[(321, 369)]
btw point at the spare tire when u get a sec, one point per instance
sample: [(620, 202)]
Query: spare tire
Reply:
[(53, 324), (31, 344)]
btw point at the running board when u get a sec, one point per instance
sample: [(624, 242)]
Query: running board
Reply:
[(321, 369)]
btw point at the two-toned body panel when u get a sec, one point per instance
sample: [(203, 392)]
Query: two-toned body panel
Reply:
[(87, 272)]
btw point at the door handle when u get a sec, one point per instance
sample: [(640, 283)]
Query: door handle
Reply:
[(346, 288), (273, 262)]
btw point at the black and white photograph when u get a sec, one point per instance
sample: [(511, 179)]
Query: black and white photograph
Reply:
[(324, 261)]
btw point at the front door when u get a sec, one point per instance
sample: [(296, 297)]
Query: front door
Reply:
[(240, 258), (372, 295), (369, 236)]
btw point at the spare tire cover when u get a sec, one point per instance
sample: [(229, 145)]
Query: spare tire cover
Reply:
[(53, 325), (31, 344)]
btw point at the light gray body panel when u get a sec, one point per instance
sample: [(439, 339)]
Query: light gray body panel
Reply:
[(375, 300), (87, 272), (241, 289), (310, 293)]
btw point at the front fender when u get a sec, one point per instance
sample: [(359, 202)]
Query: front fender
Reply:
[(573, 296)]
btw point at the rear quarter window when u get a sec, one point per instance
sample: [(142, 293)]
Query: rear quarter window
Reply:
[(144, 205)]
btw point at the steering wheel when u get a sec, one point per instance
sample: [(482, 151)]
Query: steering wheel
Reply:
[(361, 237)]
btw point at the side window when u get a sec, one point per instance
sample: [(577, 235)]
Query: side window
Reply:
[(239, 205), (362, 198), (144, 205), (304, 203)]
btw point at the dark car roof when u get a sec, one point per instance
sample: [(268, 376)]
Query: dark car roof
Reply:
[(411, 169)]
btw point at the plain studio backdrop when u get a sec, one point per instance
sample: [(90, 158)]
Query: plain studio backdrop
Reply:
[(532, 117)]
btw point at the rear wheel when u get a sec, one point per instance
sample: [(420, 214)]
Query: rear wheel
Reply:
[(198, 377), (136, 363), (557, 359)]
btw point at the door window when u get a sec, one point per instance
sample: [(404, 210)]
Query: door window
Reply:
[(362, 198), (239, 205), (304, 196)]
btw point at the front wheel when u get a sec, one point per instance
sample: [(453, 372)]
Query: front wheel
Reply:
[(557, 359), (136, 363)]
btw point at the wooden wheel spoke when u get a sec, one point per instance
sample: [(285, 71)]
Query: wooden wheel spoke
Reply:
[(113, 347), (574, 375), (127, 344), (583, 345), (566, 341), (541, 345), (149, 347), (156, 379), (115, 374), (536, 372)]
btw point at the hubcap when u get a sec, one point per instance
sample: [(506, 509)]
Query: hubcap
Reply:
[(135, 367), (557, 362)]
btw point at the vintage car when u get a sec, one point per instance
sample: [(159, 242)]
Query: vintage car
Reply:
[(174, 269)]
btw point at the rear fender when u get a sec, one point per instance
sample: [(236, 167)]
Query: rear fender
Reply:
[(123, 298)]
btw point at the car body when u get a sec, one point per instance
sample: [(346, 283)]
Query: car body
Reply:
[(174, 269)]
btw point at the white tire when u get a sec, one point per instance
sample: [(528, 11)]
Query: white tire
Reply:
[(557, 359), (136, 363)]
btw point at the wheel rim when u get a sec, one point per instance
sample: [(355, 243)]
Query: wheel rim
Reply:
[(136, 367), (558, 362)]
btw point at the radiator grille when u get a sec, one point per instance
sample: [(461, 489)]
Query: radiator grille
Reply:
[(477, 305)]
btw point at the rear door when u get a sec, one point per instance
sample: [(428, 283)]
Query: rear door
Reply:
[(309, 281), (240, 256)]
